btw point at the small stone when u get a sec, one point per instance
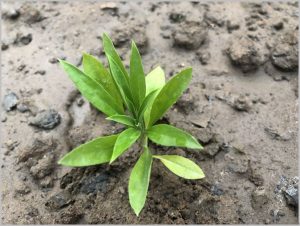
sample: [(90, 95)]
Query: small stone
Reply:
[(46, 119), (204, 57), (215, 17), (176, 17), (259, 198), (53, 60), (41, 72), (22, 39), (211, 149), (11, 14), (59, 201), (231, 26), (10, 101), (22, 108), (4, 46), (291, 194), (285, 57), (109, 6), (278, 25), (216, 190)]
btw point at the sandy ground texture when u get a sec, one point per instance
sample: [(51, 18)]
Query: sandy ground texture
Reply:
[(241, 105)]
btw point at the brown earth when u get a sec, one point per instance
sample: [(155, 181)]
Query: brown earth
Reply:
[(242, 105)]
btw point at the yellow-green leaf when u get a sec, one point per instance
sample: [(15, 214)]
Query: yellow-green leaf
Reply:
[(181, 166), (167, 135), (125, 140), (155, 80), (169, 94), (93, 152), (139, 181)]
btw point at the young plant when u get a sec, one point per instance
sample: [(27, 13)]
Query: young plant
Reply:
[(138, 102)]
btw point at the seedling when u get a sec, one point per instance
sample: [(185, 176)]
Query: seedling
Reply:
[(138, 102)]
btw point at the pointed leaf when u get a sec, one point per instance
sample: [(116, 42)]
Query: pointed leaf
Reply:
[(169, 94), (120, 79), (139, 181), (111, 51), (155, 80), (124, 119), (92, 91), (137, 76), (93, 152), (147, 101), (181, 166), (125, 140), (95, 70), (167, 135)]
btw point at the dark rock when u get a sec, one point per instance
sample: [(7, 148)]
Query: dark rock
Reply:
[(190, 34), (176, 17), (216, 190), (278, 25), (259, 198), (291, 195), (46, 119), (59, 201), (21, 39), (10, 101), (11, 14), (95, 183), (4, 46), (285, 53), (244, 53), (289, 188), (53, 60), (232, 25)]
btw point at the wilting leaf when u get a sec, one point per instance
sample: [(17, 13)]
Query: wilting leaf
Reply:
[(181, 166)]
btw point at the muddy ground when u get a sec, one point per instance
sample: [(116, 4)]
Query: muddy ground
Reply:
[(242, 105)]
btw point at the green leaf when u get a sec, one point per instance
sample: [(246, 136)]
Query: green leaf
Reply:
[(110, 50), (93, 152), (147, 101), (181, 166), (169, 94), (155, 80), (137, 76), (120, 79), (167, 135), (139, 181), (92, 90), (95, 70), (124, 119), (125, 140)]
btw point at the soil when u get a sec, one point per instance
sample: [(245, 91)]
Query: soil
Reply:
[(242, 105)]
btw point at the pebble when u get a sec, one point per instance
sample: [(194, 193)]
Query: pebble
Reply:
[(10, 101), (46, 119), (22, 108)]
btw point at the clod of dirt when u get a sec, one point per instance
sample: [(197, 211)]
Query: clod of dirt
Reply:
[(211, 149), (189, 34), (59, 201), (46, 119), (70, 215), (94, 184), (30, 14), (216, 17), (21, 188), (259, 198), (285, 53), (204, 57), (278, 25), (242, 103), (36, 149), (43, 167), (22, 39), (4, 46), (137, 32), (244, 53), (10, 101)]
